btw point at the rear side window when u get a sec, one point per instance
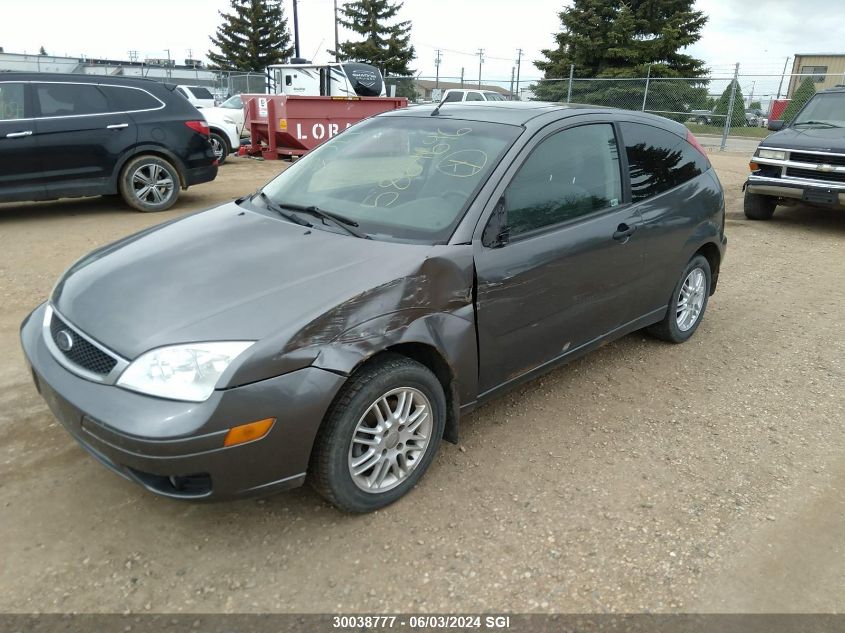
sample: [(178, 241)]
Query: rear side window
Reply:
[(11, 101), (568, 175), (124, 99), (474, 96), (453, 96), (201, 93), (70, 99), (658, 160)]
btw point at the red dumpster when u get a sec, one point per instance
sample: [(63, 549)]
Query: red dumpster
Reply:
[(281, 125)]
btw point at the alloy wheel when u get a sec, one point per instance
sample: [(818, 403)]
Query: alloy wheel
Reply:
[(691, 299), (390, 439), (152, 184)]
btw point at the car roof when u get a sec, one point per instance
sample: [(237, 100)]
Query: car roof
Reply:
[(523, 112), (77, 78)]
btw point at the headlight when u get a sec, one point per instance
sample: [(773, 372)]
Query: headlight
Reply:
[(182, 372), (771, 153)]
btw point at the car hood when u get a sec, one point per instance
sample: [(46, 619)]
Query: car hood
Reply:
[(812, 139), (236, 274)]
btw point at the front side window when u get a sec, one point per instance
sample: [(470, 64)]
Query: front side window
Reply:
[(569, 175), (70, 99), (658, 160), (11, 101), (453, 96), (400, 178)]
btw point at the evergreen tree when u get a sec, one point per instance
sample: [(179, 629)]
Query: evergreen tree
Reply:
[(626, 38), (386, 46), (801, 96), (42, 51), (253, 35), (738, 113)]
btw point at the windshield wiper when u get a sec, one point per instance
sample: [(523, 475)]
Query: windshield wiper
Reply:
[(827, 123), (347, 224), (280, 209)]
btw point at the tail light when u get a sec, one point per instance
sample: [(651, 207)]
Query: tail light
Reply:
[(694, 142), (200, 127)]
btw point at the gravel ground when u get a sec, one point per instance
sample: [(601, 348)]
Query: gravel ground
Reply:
[(644, 477)]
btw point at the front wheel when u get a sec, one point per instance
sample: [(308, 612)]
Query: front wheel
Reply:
[(757, 207), (220, 148), (379, 436), (689, 301), (149, 183)]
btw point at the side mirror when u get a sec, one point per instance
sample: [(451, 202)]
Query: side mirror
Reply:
[(775, 125), (497, 232)]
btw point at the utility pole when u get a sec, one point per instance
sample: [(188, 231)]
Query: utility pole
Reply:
[(513, 70), (295, 30), (518, 64), (727, 129), (780, 85), (169, 74), (437, 72), (480, 61), (462, 77), (336, 39)]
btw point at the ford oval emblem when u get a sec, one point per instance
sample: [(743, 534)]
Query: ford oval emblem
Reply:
[(64, 340)]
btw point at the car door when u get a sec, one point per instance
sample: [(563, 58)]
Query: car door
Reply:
[(21, 176), (564, 270), (663, 169), (80, 136)]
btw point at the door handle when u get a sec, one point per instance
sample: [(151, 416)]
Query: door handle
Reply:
[(624, 231), (19, 134), (117, 126)]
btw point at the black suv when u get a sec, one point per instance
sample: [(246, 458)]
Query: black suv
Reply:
[(803, 162), (70, 135)]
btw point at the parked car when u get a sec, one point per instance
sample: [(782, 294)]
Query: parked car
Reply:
[(64, 136), (232, 108), (224, 133), (336, 324), (702, 117), (803, 161), (199, 96), (453, 95)]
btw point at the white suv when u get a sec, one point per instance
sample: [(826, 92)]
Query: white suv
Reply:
[(459, 94)]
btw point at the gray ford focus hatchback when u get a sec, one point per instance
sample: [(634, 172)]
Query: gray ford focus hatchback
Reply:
[(334, 326)]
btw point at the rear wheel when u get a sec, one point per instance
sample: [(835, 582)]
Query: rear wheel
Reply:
[(149, 183), (220, 147), (379, 436), (759, 207), (689, 301)]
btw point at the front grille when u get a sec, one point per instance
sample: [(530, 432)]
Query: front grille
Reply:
[(817, 159), (830, 176), (81, 352)]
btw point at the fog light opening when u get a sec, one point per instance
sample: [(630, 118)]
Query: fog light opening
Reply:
[(248, 432)]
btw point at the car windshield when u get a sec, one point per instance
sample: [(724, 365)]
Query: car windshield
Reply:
[(398, 178), (824, 110), (233, 103)]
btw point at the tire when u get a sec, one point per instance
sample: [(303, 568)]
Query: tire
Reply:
[(337, 447), (145, 169), (220, 147), (673, 328), (759, 207)]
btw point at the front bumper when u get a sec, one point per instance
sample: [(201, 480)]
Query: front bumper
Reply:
[(815, 191), (175, 449)]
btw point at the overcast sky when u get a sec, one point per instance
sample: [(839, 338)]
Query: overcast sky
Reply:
[(759, 35)]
